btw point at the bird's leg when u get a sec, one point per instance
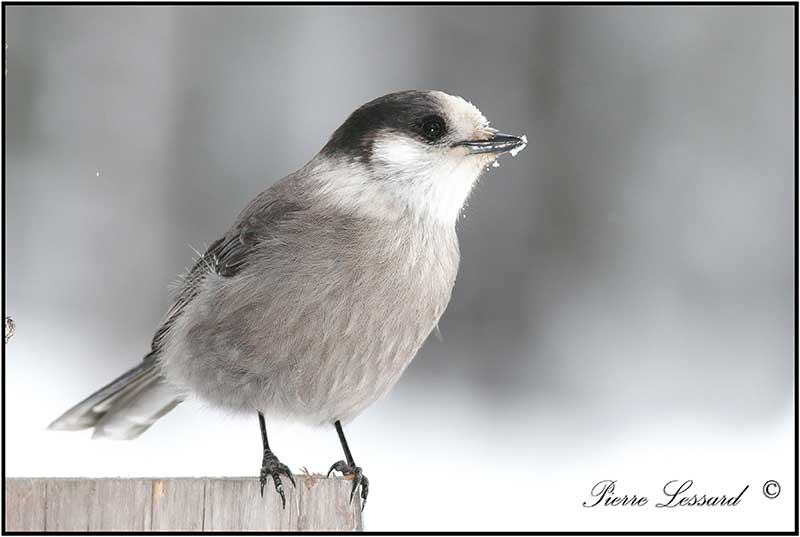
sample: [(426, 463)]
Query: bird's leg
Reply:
[(349, 468), (271, 466)]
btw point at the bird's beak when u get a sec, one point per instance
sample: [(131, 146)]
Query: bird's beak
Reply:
[(499, 143)]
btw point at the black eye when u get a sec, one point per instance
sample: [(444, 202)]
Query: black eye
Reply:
[(433, 128)]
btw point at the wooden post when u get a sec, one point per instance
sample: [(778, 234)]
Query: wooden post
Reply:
[(179, 504)]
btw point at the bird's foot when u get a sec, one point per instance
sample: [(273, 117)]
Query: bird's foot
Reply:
[(271, 466), (358, 479)]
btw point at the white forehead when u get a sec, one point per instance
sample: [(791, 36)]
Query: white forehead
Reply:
[(461, 113)]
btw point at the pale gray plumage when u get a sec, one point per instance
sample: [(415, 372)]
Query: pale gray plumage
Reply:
[(316, 300)]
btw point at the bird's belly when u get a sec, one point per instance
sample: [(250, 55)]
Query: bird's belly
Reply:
[(334, 386), (276, 351)]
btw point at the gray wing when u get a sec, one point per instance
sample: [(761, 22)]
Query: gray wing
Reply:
[(226, 256)]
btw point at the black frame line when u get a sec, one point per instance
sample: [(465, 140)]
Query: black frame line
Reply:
[(413, 3)]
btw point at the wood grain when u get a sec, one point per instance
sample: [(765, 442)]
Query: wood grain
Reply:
[(179, 504), (325, 505), (122, 505), (25, 502), (237, 503), (68, 503)]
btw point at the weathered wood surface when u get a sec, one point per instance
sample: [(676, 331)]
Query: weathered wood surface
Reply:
[(179, 504)]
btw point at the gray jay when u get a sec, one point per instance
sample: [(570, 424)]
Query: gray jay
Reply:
[(314, 302)]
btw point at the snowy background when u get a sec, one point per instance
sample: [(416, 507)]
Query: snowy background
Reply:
[(625, 305)]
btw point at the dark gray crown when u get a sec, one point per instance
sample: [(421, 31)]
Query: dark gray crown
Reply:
[(403, 111)]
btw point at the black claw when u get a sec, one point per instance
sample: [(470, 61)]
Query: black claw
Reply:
[(353, 490), (339, 466), (263, 479), (364, 491), (273, 467), (279, 488), (359, 479)]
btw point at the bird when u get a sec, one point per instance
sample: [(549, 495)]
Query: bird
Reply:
[(313, 303)]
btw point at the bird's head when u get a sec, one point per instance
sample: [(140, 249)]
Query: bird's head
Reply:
[(413, 151)]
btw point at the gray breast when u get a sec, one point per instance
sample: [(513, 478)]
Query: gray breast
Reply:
[(321, 323)]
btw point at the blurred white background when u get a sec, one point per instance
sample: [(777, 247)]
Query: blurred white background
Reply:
[(625, 304)]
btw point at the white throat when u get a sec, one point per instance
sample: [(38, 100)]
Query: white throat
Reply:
[(436, 187), (401, 185)]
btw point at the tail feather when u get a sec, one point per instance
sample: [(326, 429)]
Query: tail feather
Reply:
[(123, 409), (135, 412), (132, 386)]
